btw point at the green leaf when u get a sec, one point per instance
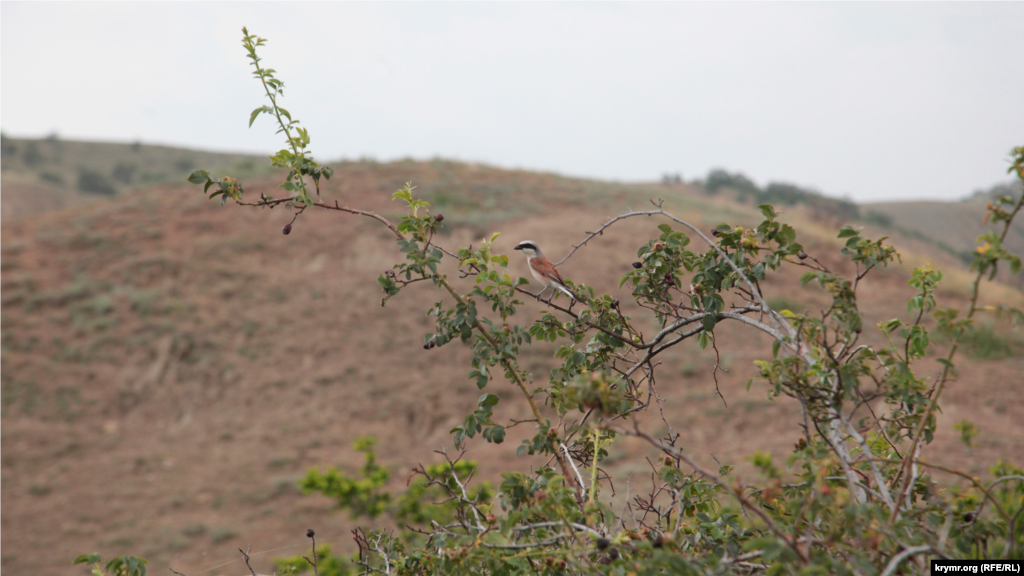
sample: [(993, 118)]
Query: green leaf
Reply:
[(255, 113), (495, 434), (709, 321), (847, 232), (199, 176)]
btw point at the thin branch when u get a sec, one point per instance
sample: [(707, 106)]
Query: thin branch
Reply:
[(679, 455), (893, 564), (579, 478), (246, 556)]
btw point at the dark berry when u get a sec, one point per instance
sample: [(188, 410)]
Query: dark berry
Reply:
[(638, 265), (602, 543), (287, 229), (439, 217), (801, 255), (310, 533)]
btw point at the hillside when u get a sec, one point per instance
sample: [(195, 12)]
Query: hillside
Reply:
[(170, 367), (950, 227), (40, 175)]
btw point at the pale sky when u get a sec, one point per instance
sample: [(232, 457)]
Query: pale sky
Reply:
[(875, 101)]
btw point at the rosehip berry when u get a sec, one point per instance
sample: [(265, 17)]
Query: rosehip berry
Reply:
[(638, 265), (287, 229), (439, 217), (310, 533), (801, 255)]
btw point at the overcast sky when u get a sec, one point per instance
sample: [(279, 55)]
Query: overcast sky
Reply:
[(871, 100)]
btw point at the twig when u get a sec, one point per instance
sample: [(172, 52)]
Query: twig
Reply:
[(679, 455), (246, 556), (893, 564), (312, 536), (358, 212), (568, 457)]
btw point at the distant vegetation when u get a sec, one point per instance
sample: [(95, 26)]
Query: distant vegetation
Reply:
[(781, 194), (94, 183), (107, 169), (1011, 189)]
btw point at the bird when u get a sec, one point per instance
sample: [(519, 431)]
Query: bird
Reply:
[(543, 270)]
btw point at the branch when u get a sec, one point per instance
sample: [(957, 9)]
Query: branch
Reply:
[(890, 568), (358, 212), (579, 478), (516, 377), (679, 455), (971, 309)]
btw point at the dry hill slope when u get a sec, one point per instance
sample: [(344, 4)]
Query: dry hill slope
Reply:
[(40, 175), (171, 367)]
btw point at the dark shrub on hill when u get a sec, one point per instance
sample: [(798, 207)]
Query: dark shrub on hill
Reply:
[(32, 155), (832, 209), (123, 172), (718, 179), (94, 183)]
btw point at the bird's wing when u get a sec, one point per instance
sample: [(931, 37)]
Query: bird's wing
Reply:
[(545, 268)]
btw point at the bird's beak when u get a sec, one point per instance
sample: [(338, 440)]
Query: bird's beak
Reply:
[(518, 248)]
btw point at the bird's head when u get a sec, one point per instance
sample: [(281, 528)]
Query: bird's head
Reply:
[(529, 248)]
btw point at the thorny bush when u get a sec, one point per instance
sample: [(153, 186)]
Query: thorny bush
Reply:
[(854, 497)]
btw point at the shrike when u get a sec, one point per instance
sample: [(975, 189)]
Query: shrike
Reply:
[(543, 270)]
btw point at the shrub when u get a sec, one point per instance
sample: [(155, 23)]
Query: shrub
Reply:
[(855, 496), (32, 155), (94, 183), (52, 177), (123, 172), (879, 219)]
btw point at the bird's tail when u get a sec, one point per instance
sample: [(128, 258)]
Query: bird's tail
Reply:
[(580, 299)]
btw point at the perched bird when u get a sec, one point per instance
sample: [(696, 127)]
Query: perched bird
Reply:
[(543, 270)]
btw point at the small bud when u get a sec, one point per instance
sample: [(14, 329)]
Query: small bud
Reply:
[(287, 229), (439, 218), (638, 265), (658, 245), (310, 533), (801, 255)]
